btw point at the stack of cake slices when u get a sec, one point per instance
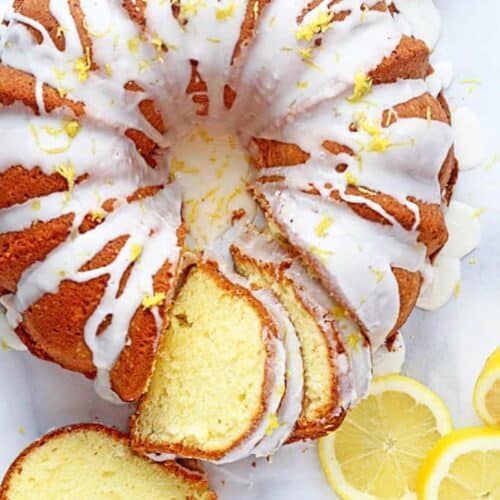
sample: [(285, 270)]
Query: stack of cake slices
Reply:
[(251, 359)]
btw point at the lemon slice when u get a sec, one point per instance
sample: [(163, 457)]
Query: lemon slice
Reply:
[(463, 465), (487, 391), (377, 451)]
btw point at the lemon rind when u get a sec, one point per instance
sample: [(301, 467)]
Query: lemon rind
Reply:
[(447, 450)]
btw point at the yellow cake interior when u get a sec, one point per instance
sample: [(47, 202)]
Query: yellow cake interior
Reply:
[(318, 380), (207, 387), (89, 464)]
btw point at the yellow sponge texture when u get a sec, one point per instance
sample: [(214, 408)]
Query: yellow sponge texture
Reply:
[(206, 393), (319, 381), (89, 464)]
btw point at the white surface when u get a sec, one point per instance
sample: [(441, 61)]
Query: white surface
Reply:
[(445, 349)]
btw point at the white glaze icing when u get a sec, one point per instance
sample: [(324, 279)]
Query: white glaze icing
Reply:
[(423, 19), (116, 174), (442, 278), (8, 336), (470, 148), (160, 457), (389, 359), (291, 402)]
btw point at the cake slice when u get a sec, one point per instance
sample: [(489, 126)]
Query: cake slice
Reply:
[(219, 377), (93, 461), (336, 356)]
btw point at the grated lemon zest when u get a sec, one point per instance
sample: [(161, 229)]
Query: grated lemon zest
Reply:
[(150, 301), (82, 65), (351, 179), (362, 86), (322, 228), (57, 150), (353, 340), (135, 251), (225, 13), (67, 171), (320, 24), (60, 74), (379, 275), (273, 424), (133, 44), (97, 215), (72, 128), (97, 34), (478, 212)]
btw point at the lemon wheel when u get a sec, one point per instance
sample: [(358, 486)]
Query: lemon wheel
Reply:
[(487, 391), (463, 465), (377, 451)]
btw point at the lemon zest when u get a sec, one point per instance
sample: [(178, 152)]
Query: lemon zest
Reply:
[(273, 424), (150, 301), (224, 13), (362, 86), (321, 23), (67, 171), (322, 228), (96, 34), (57, 150), (379, 275), (72, 128), (60, 74), (133, 44), (82, 65), (478, 212), (353, 340), (135, 251), (351, 179)]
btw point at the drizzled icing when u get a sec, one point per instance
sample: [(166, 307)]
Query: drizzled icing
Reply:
[(442, 277), (423, 19), (389, 359), (150, 224), (470, 148), (354, 258)]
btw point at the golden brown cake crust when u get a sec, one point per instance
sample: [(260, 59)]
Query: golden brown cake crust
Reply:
[(195, 476)]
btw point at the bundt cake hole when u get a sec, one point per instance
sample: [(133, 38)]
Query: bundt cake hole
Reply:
[(212, 169)]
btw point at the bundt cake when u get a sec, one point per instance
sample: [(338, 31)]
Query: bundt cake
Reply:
[(347, 148), (93, 461)]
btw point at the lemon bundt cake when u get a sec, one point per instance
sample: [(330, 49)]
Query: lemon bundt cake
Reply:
[(348, 153), (93, 461), (220, 389)]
